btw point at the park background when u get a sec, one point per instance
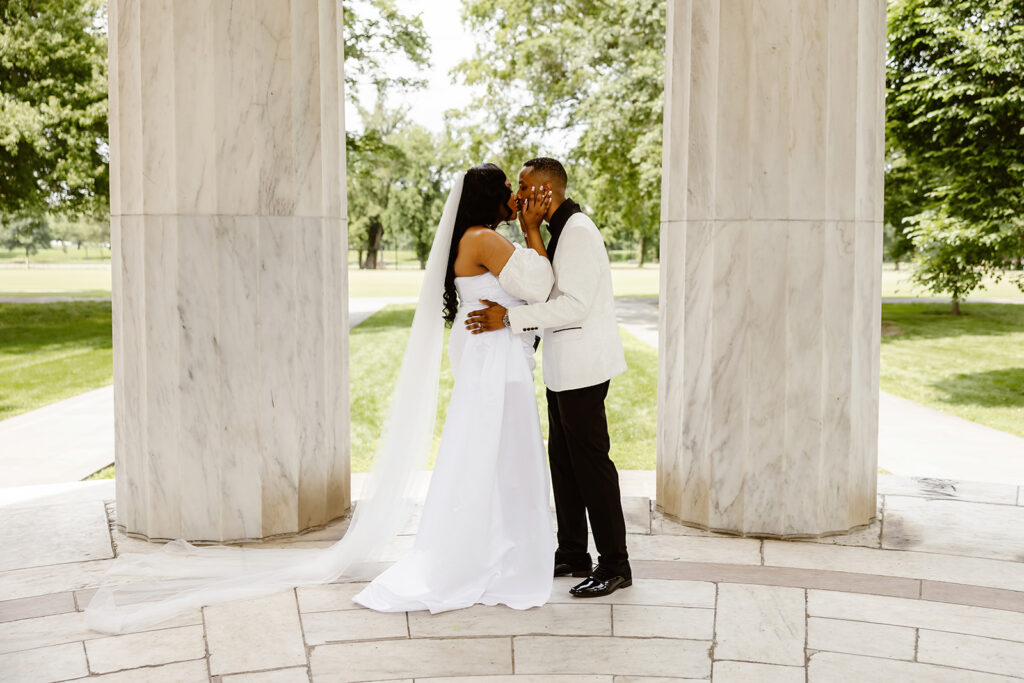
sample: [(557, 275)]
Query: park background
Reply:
[(432, 91)]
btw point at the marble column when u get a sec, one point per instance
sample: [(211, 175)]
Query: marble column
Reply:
[(771, 242), (227, 173)]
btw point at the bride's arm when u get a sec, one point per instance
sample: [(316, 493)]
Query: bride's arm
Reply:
[(522, 272)]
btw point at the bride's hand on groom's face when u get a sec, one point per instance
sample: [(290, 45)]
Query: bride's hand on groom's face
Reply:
[(486, 319), (533, 206)]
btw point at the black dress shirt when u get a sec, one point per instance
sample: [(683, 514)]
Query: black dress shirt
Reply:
[(557, 222)]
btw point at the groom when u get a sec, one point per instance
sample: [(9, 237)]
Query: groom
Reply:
[(582, 352)]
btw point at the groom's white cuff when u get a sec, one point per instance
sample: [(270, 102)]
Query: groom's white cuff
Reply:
[(516, 322)]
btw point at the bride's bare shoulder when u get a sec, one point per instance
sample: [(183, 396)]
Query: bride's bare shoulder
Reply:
[(481, 237)]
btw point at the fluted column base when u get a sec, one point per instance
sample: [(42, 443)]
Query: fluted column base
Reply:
[(231, 389)]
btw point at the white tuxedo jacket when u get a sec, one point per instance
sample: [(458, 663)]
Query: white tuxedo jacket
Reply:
[(580, 332)]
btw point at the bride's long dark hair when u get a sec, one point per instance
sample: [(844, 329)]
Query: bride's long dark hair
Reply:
[(484, 202)]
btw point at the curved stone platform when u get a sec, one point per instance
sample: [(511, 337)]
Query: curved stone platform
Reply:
[(934, 591)]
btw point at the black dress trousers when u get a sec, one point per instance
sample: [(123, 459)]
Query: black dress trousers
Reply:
[(584, 479)]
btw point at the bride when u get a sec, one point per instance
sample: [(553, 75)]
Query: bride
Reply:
[(485, 534)]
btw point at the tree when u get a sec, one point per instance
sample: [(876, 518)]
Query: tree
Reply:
[(592, 70), (374, 165), (25, 231), (904, 197), (53, 107), (376, 30), (418, 196), (955, 112)]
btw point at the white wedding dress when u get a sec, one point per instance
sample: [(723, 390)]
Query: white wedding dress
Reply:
[(486, 533)]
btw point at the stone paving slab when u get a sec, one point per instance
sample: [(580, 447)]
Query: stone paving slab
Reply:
[(735, 609), (75, 532), (38, 606), (991, 655), (428, 657), (294, 674), (746, 672), (979, 621), (586, 619), (149, 648), (861, 638), (761, 624), (954, 527), (831, 667), (622, 656), (262, 633), (44, 664), (647, 621), (977, 571)]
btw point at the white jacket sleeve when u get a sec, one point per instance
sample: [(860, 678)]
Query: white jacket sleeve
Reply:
[(579, 273), (527, 275)]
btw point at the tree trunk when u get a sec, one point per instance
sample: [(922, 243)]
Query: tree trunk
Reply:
[(643, 251), (359, 259), (896, 263), (376, 234), (956, 306)]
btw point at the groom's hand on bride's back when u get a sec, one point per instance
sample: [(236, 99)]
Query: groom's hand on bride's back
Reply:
[(486, 319)]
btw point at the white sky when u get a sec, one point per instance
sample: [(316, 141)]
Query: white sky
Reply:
[(450, 44)]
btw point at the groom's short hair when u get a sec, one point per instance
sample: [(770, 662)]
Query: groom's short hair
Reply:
[(550, 168)]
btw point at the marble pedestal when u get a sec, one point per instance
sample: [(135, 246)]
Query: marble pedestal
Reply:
[(229, 267), (770, 263)]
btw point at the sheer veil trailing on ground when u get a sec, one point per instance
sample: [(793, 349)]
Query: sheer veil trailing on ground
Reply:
[(185, 576)]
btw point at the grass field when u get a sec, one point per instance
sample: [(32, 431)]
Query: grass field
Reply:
[(49, 352), (376, 352), (403, 282), (627, 280), (971, 366), (897, 283), (54, 281), (92, 253)]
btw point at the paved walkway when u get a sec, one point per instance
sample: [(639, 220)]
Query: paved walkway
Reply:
[(932, 591), (913, 440), (48, 299)]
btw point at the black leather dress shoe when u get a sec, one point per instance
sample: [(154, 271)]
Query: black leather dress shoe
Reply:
[(599, 583), (566, 569)]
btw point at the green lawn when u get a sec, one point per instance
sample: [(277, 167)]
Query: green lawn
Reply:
[(376, 352), (54, 281), (49, 352), (971, 365), (92, 253), (897, 283), (388, 282)]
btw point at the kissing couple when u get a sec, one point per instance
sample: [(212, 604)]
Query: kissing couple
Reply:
[(485, 533)]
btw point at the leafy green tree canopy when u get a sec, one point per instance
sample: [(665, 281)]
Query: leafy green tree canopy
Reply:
[(27, 232), (955, 118), (53, 107), (591, 70)]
